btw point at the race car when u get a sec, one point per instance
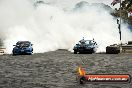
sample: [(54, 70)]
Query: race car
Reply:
[(23, 47), (85, 46)]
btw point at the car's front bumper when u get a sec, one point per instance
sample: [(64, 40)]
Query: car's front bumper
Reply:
[(22, 51), (87, 50)]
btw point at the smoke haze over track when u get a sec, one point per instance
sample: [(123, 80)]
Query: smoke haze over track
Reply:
[(50, 27)]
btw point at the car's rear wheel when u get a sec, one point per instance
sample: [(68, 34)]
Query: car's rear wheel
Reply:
[(75, 52), (14, 54)]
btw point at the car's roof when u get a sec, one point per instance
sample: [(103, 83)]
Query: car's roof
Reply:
[(23, 42), (86, 40)]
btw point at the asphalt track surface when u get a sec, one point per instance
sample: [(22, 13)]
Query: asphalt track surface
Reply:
[(58, 69)]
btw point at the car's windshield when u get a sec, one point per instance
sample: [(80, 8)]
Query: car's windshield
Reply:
[(23, 44), (89, 42), (82, 41)]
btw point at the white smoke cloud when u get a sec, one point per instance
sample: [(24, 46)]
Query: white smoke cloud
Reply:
[(50, 28), (66, 4)]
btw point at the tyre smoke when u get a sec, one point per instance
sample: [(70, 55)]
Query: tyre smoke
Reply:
[(50, 27)]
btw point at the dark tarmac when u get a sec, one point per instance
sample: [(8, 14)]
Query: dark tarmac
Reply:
[(58, 69)]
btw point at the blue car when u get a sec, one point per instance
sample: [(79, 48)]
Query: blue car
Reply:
[(22, 47), (85, 46)]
